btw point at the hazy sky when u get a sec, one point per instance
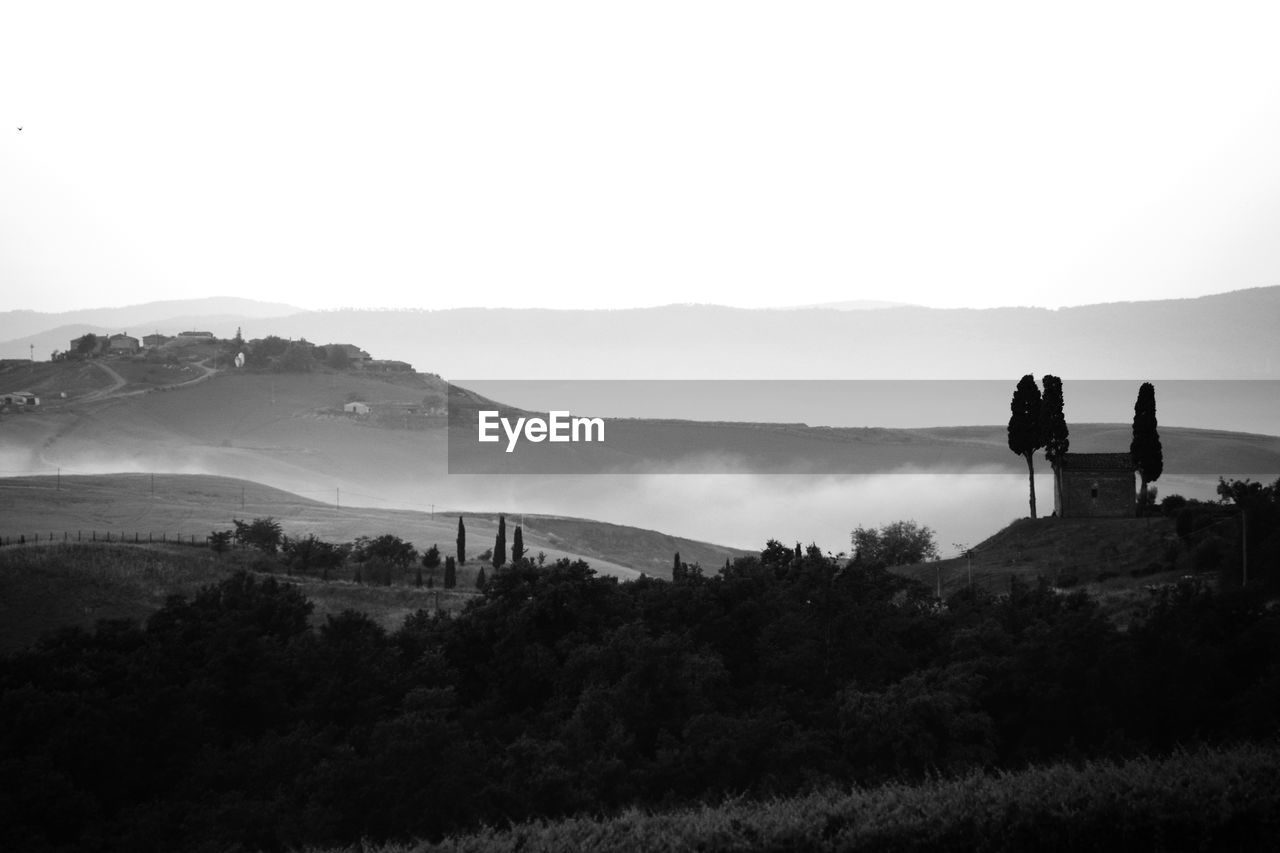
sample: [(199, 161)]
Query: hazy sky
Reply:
[(600, 154)]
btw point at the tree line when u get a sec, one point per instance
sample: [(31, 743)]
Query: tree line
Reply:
[(383, 559), (231, 721)]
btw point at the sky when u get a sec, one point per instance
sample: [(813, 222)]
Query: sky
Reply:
[(610, 155)]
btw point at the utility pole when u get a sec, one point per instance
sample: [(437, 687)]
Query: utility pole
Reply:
[(242, 498), (337, 497), (58, 483), (433, 512), (153, 485)]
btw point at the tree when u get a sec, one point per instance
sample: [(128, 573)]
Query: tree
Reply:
[(387, 552), (1024, 428), (311, 555), (261, 533), (898, 543), (450, 573), (1148, 456), (87, 345), (220, 541), (500, 544), (462, 542), (481, 582), (337, 358), (295, 359), (1053, 428), (517, 545), (431, 559), (262, 352), (430, 562)]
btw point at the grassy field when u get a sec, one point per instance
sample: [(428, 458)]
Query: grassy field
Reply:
[(1209, 799), (1069, 552)]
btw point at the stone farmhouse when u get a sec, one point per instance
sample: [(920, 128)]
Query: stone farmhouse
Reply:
[(1094, 485), (122, 344)]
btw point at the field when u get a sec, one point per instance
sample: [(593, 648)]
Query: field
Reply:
[(193, 505), (1203, 800)]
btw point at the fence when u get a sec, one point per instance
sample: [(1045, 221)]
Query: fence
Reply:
[(163, 538)]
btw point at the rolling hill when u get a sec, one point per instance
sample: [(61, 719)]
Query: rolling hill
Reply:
[(145, 507)]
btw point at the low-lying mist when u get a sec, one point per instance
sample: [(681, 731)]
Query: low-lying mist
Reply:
[(739, 510)]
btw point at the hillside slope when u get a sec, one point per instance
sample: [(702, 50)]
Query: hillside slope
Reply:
[(141, 506)]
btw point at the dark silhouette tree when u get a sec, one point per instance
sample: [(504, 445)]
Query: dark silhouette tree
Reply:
[(481, 581), (1053, 428), (898, 543), (1024, 428), (517, 545), (500, 544), (430, 562), (462, 542), (87, 345), (431, 559), (220, 541), (450, 573), (310, 555), (1148, 456), (261, 533)]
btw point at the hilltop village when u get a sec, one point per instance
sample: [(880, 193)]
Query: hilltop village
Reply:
[(99, 366)]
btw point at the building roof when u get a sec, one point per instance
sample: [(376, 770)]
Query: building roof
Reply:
[(1097, 462)]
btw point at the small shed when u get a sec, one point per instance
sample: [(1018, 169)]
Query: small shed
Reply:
[(356, 408), (1094, 485), (20, 398)]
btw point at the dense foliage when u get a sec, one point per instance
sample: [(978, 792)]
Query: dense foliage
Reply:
[(229, 722), (1175, 803)]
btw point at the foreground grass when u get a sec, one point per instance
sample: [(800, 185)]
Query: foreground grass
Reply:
[(1223, 799)]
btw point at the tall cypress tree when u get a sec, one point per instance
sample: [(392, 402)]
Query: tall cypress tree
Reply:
[(462, 542), (1024, 427), (500, 544), (1148, 455), (517, 545), (450, 573), (1053, 428)]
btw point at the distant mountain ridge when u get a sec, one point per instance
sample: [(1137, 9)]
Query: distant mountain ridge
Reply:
[(1224, 336), (22, 327)]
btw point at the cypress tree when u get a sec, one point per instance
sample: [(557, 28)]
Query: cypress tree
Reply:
[(462, 542), (1148, 455), (481, 581), (500, 544), (1053, 428), (1024, 428), (517, 545), (677, 569), (450, 573)]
